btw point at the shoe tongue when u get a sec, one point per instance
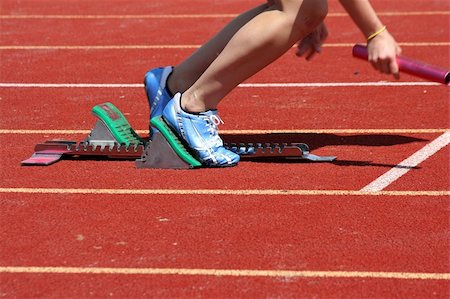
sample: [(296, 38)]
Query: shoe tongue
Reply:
[(209, 112)]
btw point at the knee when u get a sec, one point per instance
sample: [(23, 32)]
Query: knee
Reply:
[(306, 16), (320, 9), (311, 13)]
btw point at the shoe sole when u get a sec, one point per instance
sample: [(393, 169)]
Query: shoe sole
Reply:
[(179, 146), (175, 143)]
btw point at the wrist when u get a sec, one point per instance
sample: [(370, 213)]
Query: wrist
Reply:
[(376, 33)]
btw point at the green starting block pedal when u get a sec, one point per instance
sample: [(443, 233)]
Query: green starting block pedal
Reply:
[(112, 120), (165, 150)]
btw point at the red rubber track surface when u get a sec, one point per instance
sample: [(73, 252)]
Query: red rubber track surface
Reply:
[(114, 31), (297, 108), (266, 216), (139, 7), (361, 160), (318, 233), (129, 66), (138, 286)]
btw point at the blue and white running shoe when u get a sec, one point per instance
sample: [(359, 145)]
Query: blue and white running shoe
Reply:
[(157, 93), (199, 131)]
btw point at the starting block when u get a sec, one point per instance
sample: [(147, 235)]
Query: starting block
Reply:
[(113, 138)]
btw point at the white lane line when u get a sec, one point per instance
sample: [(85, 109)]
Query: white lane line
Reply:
[(249, 132), (226, 272), (237, 192), (401, 169), (244, 85), (70, 85), (338, 84)]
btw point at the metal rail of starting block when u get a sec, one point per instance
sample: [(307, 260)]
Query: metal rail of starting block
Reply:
[(155, 153), (283, 150), (100, 143)]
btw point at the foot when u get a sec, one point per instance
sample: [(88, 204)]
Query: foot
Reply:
[(157, 92), (199, 131)]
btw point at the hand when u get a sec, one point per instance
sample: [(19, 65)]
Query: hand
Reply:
[(382, 51), (312, 43)]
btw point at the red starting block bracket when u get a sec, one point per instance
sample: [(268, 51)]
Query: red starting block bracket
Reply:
[(52, 151)]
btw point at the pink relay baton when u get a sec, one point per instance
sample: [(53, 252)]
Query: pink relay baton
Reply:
[(413, 67)]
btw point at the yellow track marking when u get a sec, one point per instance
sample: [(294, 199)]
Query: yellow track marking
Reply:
[(242, 192), (146, 16), (336, 131), (148, 47), (251, 132), (204, 16), (70, 132), (110, 47), (227, 272)]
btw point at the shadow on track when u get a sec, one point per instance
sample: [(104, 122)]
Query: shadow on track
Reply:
[(316, 141)]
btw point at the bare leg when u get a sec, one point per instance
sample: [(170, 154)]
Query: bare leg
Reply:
[(188, 71), (256, 44)]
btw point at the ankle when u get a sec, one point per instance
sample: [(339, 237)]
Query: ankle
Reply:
[(169, 85), (190, 104), (174, 84)]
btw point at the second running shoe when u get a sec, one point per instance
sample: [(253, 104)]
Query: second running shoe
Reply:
[(157, 93)]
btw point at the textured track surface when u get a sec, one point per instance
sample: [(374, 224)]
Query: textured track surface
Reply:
[(95, 229)]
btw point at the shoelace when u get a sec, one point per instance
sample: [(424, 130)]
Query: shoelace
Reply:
[(213, 122)]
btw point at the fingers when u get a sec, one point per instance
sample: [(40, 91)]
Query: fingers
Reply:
[(323, 33), (398, 50), (311, 54), (309, 50), (306, 47), (302, 47), (312, 44), (383, 51), (394, 69), (386, 65), (317, 48)]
